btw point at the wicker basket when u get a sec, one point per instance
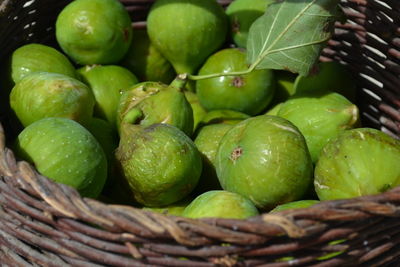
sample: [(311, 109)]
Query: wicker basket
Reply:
[(47, 224)]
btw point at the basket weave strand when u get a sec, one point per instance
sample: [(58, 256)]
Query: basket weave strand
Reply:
[(47, 224)]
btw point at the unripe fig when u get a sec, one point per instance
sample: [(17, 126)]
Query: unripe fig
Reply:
[(186, 32), (284, 85), (213, 127), (320, 116), (160, 163), (107, 84), (175, 209), (41, 95), (242, 14), (198, 111), (331, 76), (220, 204), (265, 159), (295, 205), (66, 152), (148, 103), (146, 61), (249, 93), (358, 162), (32, 58), (94, 31)]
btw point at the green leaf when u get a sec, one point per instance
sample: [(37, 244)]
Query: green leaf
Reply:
[(291, 34)]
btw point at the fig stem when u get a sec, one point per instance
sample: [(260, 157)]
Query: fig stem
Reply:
[(180, 81), (216, 75)]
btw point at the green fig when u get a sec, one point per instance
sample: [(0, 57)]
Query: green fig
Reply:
[(32, 58), (175, 209), (94, 31), (148, 103), (331, 76), (320, 116), (242, 14), (295, 205), (213, 127), (225, 116), (274, 110), (220, 204), (198, 111), (284, 85), (107, 84), (146, 61), (160, 163), (356, 163), (41, 94), (66, 152), (265, 159), (250, 93), (186, 32)]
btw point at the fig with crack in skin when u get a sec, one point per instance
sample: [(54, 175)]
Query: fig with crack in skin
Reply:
[(33, 57), (66, 152), (220, 204), (186, 32), (160, 163), (250, 93), (265, 159), (242, 14), (41, 95), (320, 116), (151, 102), (198, 111), (295, 205), (94, 31), (146, 61), (358, 162), (107, 84)]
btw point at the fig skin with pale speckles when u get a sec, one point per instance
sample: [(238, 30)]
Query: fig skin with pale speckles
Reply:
[(160, 163), (358, 162), (94, 31), (250, 93), (220, 204), (265, 158), (42, 95), (66, 152)]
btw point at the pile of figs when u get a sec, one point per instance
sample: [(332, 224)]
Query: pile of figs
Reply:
[(113, 114)]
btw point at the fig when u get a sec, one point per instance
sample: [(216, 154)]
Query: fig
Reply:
[(220, 204), (225, 116), (42, 94), (213, 127), (94, 31), (331, 76), (320, 116), (148, 103), (265, 159), (175, 209), (274, 110), (295, 205), (242, 14), (65, 152), (107, 84), (284, 85), (33, 57), (187, 47), (249, 93), (146, 61), (198, 111), (358, 162), (160, 163)]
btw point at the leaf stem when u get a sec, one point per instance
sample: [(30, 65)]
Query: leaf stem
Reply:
[(216, 75)]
